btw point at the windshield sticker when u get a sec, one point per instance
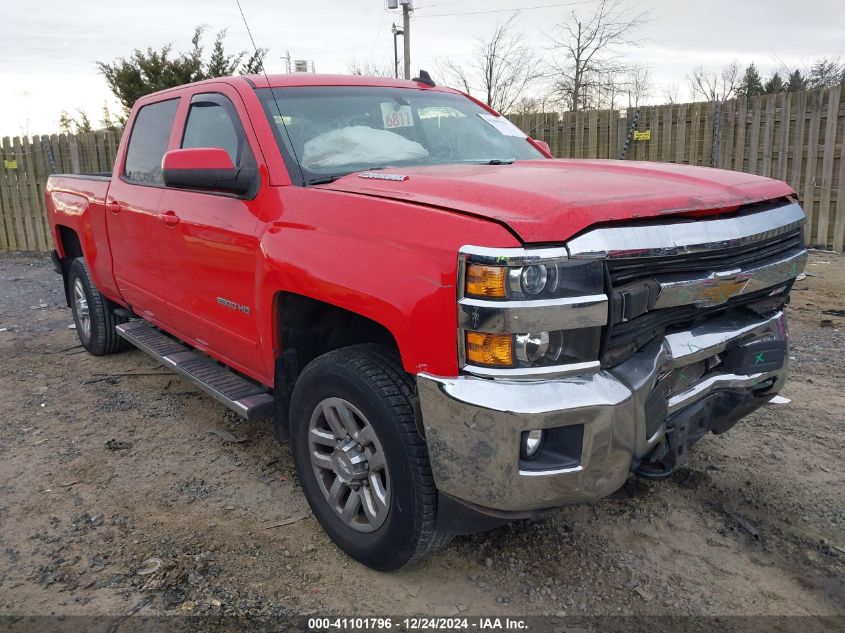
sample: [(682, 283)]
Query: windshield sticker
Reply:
[(503, 125), (395, 115)]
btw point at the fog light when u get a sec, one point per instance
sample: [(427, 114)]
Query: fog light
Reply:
[(531, 441)]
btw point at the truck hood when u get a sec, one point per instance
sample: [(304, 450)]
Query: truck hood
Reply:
[(553, 200)]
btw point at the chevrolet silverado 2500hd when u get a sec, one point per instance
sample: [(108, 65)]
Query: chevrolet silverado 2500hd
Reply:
[(452, 328)]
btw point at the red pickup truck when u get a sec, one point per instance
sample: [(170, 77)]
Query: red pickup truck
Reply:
[(452, 328)]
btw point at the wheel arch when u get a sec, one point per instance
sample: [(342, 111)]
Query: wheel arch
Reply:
[(69, 248), (305, 328)]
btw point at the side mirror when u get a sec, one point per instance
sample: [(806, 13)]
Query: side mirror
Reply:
[(542, 145), (206, 169)]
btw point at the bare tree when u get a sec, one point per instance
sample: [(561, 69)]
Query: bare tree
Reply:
[(604, 90), (528, 105), (502, 69), (670, 93), (588, 46), (369, 69), (639, 84), (711, 85), (826, 72)]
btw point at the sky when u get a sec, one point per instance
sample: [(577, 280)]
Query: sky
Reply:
[(49, 48)]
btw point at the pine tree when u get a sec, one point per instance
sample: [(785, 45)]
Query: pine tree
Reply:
[(152, 70), (220, 64), (254, 65), (774, 85), (796, 81), (752, 83)]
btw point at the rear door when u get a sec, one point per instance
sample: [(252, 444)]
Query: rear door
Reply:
[(209, 255), (132, 211)]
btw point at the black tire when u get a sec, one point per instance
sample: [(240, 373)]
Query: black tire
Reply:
[(372, 379), (100, 338)]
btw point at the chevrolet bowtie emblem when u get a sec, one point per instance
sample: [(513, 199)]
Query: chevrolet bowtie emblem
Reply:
[(723, 286)]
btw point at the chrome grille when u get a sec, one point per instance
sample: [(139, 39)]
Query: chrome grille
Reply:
[(665, 277), (623, 271)]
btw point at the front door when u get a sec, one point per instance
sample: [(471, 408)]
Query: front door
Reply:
[(209, 246)]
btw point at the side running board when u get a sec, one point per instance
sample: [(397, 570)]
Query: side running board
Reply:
[(239, 394)]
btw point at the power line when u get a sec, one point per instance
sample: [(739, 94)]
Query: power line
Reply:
[(539, 6), (437, 4), (378, 33)]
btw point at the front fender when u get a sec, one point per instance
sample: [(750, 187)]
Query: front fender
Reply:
[(392, 262)]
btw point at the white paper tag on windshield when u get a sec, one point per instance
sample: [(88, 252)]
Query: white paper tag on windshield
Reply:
[(503, 125), (395, 115)]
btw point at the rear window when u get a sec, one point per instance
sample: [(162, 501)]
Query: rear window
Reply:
[(149, 140)]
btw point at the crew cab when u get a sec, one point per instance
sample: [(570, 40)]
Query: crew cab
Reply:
[(451, 327)]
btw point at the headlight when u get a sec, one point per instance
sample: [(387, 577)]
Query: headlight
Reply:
[(532, 349), (526, 312), (535, 281)]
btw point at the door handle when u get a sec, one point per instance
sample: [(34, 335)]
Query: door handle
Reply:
[(170, 218), (114, 207)]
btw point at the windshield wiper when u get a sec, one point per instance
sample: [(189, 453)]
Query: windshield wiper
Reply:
[(327, 179), (324, 181)]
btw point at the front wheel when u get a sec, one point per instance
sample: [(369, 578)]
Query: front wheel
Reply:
[(94, 318), (361, 462)]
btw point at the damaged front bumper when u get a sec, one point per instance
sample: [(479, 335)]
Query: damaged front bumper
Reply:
[(600, 427)]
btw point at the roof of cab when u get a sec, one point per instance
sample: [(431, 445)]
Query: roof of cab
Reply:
[(300, 79), (312, 79), (304, 79)]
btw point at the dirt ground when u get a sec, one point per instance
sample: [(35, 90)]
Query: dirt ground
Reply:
[(106, 463)]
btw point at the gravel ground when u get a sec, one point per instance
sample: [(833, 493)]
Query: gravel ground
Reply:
[(121, 487)]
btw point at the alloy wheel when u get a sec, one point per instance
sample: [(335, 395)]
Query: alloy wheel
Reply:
[(349, 464), (83, 314)]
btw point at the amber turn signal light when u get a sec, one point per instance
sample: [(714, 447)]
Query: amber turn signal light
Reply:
[(486, 281), (489, 349)]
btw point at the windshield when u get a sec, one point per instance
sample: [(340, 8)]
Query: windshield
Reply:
[(333, 131)]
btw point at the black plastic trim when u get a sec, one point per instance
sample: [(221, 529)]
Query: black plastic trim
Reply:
[(455, 516)]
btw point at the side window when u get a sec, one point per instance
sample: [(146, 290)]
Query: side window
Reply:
[(148, 143), (211, 124)]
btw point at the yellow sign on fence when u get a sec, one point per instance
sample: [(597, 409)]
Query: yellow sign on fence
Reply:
[(642, 136), (10, 164)]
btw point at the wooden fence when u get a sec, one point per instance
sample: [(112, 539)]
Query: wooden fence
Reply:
[(25, 164), (796, 137)]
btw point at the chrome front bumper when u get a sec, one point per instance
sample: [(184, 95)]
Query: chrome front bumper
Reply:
[(473, 425)]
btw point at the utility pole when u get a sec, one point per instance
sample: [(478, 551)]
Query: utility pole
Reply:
[(406, 27)]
